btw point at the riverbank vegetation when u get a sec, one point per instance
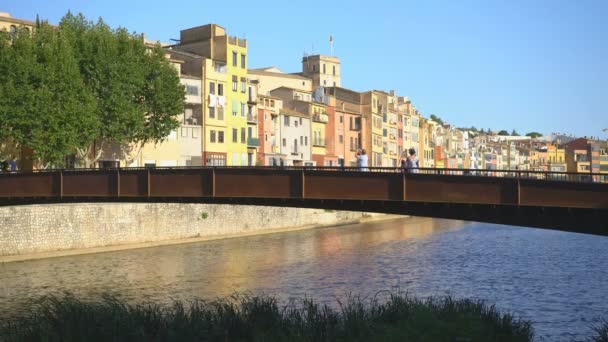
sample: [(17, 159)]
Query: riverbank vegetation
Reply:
[(601, 333), (397, 317)]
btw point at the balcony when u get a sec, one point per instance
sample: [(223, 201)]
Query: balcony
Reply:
[(252, 118), (253, 142), (252, 99), (295, 151), (319, 142), (320, 118), (219, 67), (355, 127)]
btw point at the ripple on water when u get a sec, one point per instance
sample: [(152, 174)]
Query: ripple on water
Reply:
[(558, 280)]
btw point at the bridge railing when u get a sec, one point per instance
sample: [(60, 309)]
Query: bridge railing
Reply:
[(518, 174)]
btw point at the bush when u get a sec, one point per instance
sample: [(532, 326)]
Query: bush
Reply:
[(260, 318), (601, 332)]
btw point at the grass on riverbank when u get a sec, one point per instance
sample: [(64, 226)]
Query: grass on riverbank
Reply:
[(601, 333), (253, 318)]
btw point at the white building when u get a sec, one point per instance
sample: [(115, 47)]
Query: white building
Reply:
[(294, 138)]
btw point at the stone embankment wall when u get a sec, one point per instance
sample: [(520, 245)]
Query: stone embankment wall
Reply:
[(27, 230)]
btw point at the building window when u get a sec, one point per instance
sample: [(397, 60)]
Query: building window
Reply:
[(284, 142), (243, 85), (243, 61), (334, 71), (212, 136), (341, 139), (295, 123), (220, 89), (220, 113), (234, 58), (313, 68), (286, 121), (235, 135), (212, 88), (323, 68), (235, 83), (243, 109), (243, 136), (306, 140), (266, 137), (212, 112), (235, 108), (220, 137), (341, 119), (191, 90), (302, 140), (324, 82), (300, 121)]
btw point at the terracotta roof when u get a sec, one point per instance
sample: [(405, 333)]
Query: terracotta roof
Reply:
[(294, 89), (276, 74), (183, 53), (293, 112)]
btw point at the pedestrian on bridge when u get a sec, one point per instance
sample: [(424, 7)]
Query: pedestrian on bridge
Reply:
[(411, 163), (362, 160)]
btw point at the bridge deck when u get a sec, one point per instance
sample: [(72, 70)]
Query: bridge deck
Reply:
[(379, 189)]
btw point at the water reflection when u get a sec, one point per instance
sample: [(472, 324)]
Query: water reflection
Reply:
[(556, 279)]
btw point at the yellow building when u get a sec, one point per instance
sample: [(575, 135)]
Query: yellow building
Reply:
[(11, 25), (224, 71), (318, 137), (372, 113)]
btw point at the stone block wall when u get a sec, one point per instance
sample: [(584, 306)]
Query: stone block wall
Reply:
[(49, 228)]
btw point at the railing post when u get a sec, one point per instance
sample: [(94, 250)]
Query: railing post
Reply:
[(117, 183), (303, 184), (213, 182), (403, 186), (60, 184), (518, 189), (148, 182)]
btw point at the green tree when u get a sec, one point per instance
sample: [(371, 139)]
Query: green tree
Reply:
[(44, 105), (436, 119), (503, 132), (514, 133), (534, 134), (139, 95)]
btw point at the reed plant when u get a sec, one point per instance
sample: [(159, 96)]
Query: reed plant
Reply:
[(395, 317)]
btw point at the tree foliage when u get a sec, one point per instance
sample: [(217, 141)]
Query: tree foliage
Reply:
[(514, 133), (503, 132), (44, 104), (84, 84), (436, 119), (534, 134)]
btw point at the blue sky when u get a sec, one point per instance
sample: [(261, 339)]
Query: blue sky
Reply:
[(512, 64)]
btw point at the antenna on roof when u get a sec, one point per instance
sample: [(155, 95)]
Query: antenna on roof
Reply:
[(331, 44)]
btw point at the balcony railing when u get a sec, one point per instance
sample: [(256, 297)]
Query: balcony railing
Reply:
[(295, 151), (355, 127), (253, 142), (320, 118), (252, 118), (319, 142)]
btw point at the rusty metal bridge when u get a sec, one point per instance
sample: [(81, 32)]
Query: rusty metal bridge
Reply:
[(572, 202)]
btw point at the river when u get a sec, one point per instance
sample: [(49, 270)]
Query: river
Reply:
[(558, 280)]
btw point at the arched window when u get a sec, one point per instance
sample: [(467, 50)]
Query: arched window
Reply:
[(13, 29), (26, 29)]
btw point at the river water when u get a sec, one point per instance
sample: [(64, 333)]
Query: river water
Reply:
[(558, 280)]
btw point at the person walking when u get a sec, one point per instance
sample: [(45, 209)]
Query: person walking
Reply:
[(13, 165), (362, 160), (411, 163), (403, 161)]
